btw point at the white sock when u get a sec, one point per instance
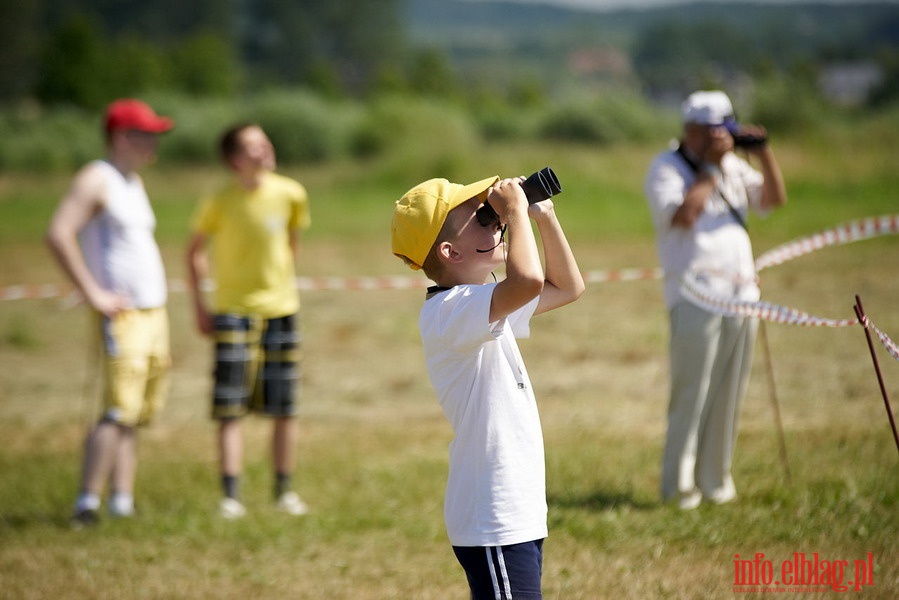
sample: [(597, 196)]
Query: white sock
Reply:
[(121, 503), (87, 501)]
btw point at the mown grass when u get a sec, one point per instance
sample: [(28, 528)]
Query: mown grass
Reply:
[(373, 444)]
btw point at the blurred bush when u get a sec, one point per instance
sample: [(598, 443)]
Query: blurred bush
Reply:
[(198, 123), (416, 135), (410, 134), (32, 139), (604, 119), (788, 104), (304, 127)]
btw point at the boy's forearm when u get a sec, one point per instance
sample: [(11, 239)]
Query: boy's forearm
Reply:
[(196, 268), (523, 259), (67, 253), (774, 192), (524, 272), (561, 266)]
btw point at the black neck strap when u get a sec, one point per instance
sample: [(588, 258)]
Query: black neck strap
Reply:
[(694, 166), (436, 289)]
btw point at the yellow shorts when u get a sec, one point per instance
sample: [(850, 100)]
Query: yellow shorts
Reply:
[(136, 365)]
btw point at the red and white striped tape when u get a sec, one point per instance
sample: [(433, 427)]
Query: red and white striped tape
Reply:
[(398, 282), (774, 313), (842, 234), (889, 344), (34, 292), (852, 231), (694, 292)]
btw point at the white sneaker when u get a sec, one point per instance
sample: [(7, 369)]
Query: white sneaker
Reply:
[(290, 503), (121, 506), (689, 501), (231, 509), (722, 498), (724, 494)]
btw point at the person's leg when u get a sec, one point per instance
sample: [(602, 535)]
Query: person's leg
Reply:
[(230, 445), (284, 436), (124, 472), (284, 444), (110, 454), (501, 572), (694, 337), (276, 388), (719, 431), (100, 448), (234, 377)]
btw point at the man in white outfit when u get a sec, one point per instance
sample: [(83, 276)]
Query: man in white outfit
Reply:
[(700, 195), (102, 235)]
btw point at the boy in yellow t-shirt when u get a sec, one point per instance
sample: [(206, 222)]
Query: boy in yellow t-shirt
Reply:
[(252, 227)]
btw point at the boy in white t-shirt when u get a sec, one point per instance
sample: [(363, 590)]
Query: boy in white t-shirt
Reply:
[(495, 506)]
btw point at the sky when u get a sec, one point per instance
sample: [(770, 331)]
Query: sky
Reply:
[(615, 4)]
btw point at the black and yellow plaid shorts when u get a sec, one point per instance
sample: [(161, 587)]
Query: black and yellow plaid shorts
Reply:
[(257, 366)]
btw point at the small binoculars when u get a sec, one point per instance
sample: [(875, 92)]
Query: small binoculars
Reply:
[(745, 140), (538, 187)]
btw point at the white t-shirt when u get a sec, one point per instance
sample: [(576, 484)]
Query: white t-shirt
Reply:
[(118, 243), (496, 489), (717, 245)]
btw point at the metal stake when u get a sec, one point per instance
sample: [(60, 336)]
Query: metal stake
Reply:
[(863, 321), (774, 402)]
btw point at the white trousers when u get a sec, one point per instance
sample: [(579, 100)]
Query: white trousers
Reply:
[(710, 361)]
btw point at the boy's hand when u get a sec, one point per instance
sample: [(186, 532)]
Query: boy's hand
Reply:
[(506, 196), (541, 209), (108, 303)]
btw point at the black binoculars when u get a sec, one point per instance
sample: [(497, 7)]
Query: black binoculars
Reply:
[(745, 140), (538, 187)]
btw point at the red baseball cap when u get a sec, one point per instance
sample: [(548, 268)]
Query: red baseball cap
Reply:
[(128, 113)]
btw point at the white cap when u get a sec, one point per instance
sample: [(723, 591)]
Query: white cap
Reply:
[(707, 108)]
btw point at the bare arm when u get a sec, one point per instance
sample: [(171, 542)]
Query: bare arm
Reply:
[(197, 271), (694, 201), (83, 200), (774, 191), (294, 242), (563, 280), (524, 273)]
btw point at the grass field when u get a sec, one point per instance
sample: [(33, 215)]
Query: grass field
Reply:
[(373, 444)]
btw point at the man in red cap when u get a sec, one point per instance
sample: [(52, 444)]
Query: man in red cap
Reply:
[(102, 235)]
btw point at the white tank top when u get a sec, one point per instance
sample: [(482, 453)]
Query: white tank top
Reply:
[(118, 243)]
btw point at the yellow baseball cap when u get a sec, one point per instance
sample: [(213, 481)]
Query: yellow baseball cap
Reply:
[(419, 215)]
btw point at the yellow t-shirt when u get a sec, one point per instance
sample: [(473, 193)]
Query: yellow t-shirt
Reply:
[(252, 263)]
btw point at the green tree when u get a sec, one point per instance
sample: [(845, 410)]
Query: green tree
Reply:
[(133, 66), (71, 65), (431, 74), (887, 90), (204, 64), (286, 41), (679, 57), (79, 66), (19, 47)]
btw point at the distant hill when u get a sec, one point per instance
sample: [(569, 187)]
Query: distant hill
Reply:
[(486, 39), (461, 21)]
